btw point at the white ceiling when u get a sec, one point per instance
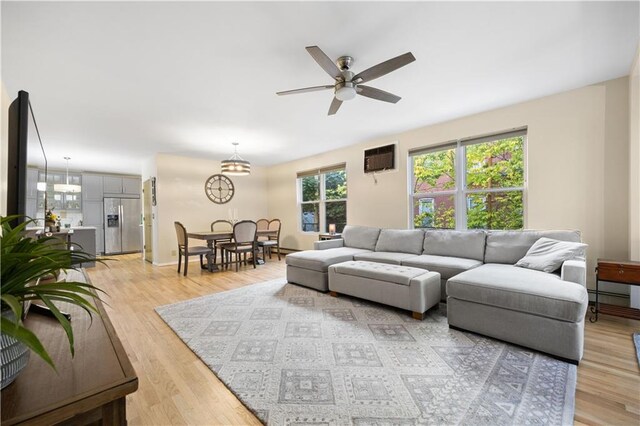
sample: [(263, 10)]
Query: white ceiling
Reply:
[(113, 83)]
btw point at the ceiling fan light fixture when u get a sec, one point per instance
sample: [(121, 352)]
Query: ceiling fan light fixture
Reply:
[(346, 91), (235, 166)]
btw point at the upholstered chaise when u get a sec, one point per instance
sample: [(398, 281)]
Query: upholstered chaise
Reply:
[(539, 310), (310, 268)]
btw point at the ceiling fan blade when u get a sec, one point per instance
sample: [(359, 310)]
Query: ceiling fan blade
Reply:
[(335, 105), (325, 62), (384, 68), (380, 95), (305, 90)]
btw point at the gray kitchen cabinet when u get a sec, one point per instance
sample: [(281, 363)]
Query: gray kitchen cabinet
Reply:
[(99, 240), (31, 208), (131, 185), (86, 239), (92, 189), (32, 183), (112, 185), (92, 214)]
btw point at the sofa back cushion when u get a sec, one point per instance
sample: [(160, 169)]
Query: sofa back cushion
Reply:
[(467, 244), (401, 240), (510, 246), (362, 237)]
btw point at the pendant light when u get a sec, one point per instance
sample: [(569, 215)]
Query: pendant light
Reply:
[(235, 165), (66, 187)]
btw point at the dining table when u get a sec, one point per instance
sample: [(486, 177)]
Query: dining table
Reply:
[(212, 237)]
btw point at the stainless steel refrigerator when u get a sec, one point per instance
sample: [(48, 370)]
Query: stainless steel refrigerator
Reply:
[(122, 230)]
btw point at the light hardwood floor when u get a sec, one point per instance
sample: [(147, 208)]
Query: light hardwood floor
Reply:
[(177, 388)]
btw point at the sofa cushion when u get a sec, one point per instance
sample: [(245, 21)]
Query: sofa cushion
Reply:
[(384, 257), (511, 246), (319, 260), (467, 244), (378, 271), (401, 240), (548, 255), (362, 237), (447, 266), (522, 290)]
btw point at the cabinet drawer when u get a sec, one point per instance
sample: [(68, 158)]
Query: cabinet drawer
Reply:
[(619, 273)]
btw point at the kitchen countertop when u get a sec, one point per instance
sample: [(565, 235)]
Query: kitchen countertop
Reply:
[(40, 230)]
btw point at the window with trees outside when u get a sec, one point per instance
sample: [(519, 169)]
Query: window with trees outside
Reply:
[(475, 183), (322, 195)]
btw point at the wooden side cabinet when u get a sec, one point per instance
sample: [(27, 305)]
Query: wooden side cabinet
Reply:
[(89, 389), (619, 272)]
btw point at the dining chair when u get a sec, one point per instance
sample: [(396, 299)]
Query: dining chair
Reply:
[(186, 251), (220, 226), (262, 224), (273, 240), (244, 241)]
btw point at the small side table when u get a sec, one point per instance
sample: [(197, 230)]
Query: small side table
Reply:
[(327, 236), (619, 272)]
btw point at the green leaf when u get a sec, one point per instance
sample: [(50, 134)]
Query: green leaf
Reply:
[(13, 303), (64, 322)]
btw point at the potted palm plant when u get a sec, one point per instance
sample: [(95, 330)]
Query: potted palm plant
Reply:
[(24, 263)]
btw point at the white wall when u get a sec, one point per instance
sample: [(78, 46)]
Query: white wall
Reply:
[(568, 157), (181, 197), (634, 170)]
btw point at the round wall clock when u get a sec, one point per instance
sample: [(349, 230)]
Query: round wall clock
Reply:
[(219, 189)]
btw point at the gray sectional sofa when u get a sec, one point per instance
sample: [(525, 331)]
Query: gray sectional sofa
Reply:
[(484, 290)]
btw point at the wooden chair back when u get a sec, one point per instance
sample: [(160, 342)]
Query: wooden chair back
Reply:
[(262, 224), (181, 233), (221, 225), (244, 232), (275, 225)]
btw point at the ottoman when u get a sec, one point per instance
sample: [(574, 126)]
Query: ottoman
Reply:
[(404, 287)]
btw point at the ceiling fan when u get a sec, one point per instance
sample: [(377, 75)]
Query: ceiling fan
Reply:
[(347, 84)]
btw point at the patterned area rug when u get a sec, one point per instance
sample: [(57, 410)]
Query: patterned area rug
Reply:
[(295, 356)]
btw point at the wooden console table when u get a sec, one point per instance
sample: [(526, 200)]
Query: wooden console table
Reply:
[(87, 389), (619, 272)]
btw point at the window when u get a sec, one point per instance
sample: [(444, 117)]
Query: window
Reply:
[(475, 183), (322, 196)]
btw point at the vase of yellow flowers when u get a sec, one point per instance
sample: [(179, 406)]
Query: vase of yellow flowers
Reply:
[(50, 219)]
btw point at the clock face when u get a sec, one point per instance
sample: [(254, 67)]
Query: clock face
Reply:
[(219, 189)]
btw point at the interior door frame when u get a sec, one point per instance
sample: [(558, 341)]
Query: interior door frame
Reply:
[(147, 217)]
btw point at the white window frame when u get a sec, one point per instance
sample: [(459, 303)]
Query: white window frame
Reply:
[(322, 201), (460, 191)]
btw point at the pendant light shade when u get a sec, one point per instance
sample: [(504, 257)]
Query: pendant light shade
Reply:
[(235, 165), (66, 187)]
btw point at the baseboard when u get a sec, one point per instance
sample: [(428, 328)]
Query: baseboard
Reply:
[(175, 262)]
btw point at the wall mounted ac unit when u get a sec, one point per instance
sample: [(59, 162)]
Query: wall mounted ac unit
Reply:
[(380, 159)]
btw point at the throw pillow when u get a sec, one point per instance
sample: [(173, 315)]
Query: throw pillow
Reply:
[(547, 255)]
